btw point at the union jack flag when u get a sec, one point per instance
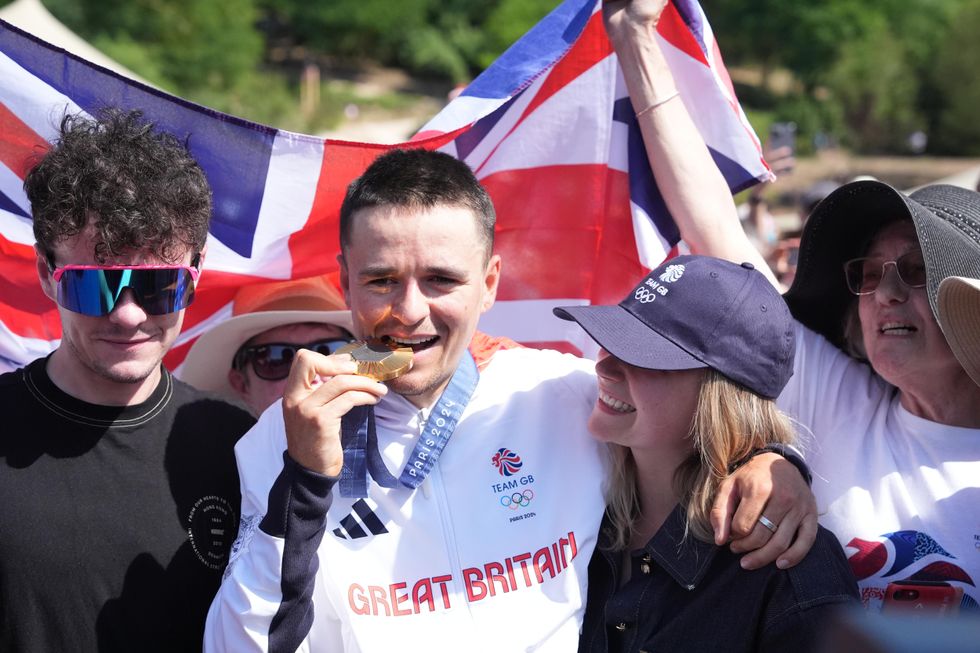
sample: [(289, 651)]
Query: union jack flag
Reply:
[(548, 128)]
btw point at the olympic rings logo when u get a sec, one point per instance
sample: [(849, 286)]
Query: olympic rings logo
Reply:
[(644, 295), (517, 500)]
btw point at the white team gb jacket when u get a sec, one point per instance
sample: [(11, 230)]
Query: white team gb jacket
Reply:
[(489, 554)]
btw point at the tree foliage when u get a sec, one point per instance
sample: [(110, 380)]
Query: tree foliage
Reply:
[(876, 90), (874, 60), (183, 44), (956, 79), (508, 21), (452, 39), (803, 36)]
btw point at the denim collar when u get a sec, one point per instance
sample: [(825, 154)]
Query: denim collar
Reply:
[(686, 559)]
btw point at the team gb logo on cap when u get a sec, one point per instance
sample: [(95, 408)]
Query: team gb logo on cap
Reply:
[(672, 273), (648, 292)]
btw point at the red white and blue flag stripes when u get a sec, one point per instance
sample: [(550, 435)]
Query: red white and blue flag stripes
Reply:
[(548, 128)]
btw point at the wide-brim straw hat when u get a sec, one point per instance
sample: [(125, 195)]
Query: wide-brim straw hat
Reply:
[(947, 223), (959, 317), (257, 308)]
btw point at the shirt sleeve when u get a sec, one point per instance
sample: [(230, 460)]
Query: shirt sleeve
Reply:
[(802, 631), (265, 602), (805, 602), (827, 388)]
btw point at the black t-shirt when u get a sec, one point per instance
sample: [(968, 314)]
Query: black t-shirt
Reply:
[(115, 522)]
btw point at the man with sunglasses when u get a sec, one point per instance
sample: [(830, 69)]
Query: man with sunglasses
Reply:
[(119, 486), (247, 358)]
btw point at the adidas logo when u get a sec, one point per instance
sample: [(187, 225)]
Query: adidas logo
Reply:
[(361, 522)]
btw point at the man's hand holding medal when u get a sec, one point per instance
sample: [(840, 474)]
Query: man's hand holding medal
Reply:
[(322, 389)]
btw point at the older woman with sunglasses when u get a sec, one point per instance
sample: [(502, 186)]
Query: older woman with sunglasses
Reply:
[(247, 357), (895, 419)]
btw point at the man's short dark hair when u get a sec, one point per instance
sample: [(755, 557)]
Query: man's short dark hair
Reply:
[(418, 178), (142, 188)]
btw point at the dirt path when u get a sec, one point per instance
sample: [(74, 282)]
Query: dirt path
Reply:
[(901, 171), (370, 124)]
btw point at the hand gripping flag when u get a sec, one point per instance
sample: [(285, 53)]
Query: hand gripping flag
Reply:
[(548, 129)]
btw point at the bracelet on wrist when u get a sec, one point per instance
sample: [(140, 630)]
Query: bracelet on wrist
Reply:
[(658, 103)]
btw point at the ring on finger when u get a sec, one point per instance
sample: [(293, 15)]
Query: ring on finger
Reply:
[(765, 521)]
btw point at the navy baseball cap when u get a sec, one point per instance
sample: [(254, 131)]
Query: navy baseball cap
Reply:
[(698, 311)]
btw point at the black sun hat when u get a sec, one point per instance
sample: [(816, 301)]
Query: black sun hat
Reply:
[(947, 223)]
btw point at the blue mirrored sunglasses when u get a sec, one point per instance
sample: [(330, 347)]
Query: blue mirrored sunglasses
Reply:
[(95, 290)]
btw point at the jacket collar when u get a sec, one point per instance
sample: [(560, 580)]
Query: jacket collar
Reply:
[(686, 559), (394, 411)]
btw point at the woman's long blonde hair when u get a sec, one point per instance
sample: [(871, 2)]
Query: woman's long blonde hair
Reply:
[(729, 422)]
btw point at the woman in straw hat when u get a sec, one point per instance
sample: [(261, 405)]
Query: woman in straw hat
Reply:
[(686, 392), (895, 418), (247, 357)]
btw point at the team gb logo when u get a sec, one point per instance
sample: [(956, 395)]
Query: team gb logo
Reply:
[(672, 273), (507, 462)]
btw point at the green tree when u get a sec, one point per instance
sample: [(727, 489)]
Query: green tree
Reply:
[(804, 37), (371, 28), (183, 44), (509, 21), (452, 39), (877, 90), (955, 76), (875, 57)]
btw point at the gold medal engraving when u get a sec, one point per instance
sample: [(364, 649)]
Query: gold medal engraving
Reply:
[(378, 359)]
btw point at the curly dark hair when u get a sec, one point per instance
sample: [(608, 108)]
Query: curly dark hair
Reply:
[(421, 179), (141, 188)]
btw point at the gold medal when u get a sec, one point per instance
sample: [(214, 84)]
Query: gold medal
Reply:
[(379, 359)]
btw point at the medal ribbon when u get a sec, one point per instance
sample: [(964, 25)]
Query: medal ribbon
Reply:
[(359, 438)]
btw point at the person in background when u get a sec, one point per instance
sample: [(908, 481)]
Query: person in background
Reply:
[(247, 357), (760, 225), (119, 484), (894, 417), (785, 257), (687, 384)]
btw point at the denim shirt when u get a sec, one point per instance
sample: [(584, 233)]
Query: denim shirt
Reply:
[(688, 595)]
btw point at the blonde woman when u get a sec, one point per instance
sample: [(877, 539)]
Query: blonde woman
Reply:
[(691, 362)]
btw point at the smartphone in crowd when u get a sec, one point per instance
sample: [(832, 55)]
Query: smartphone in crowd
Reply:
[(922, 598), (782, 134)]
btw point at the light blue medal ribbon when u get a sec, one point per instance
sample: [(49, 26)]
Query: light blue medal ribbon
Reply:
[(359, 438)]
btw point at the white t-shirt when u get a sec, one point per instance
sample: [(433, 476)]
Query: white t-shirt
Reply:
[(901, 493)]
